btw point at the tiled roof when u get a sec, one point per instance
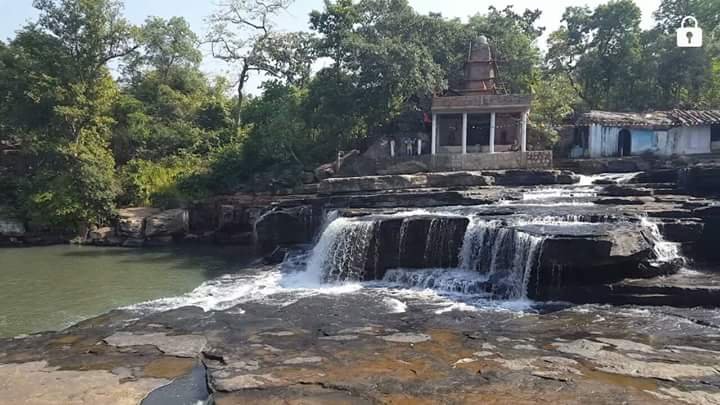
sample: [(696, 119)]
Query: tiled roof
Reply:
[(695, 117), (673, 118)]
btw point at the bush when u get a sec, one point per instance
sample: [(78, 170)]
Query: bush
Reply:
[(147, 183), (73, 188)]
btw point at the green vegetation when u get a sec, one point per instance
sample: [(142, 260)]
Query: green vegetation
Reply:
[(105, 113)]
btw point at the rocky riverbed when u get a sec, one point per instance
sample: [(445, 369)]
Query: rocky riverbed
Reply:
[(356, 348), (428, 294)]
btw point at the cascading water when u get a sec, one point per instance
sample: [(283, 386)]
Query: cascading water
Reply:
[(492, 258), (341, 252), (505, 255), (664, 251), (617, 178), (445, 280)]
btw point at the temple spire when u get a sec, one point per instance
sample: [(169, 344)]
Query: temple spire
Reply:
[(480, 69)]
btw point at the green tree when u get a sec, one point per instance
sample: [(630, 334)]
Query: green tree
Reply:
[(60, 95), (74, 186), (166, 45), (168, 106), (598, 52)]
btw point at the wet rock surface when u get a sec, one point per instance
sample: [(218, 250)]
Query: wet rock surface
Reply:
[(350, 349)]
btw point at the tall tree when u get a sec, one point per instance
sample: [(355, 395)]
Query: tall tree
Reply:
[(598, 51), (60, 94), (237, 31), (164, 45)]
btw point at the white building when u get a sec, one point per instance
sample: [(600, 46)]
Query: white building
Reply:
[(661, 133)]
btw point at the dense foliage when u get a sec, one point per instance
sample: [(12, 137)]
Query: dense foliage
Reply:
[(103, 113)]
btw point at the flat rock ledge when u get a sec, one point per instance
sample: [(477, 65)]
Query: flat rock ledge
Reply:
[(37, 383), (266, 356), (180, 345)]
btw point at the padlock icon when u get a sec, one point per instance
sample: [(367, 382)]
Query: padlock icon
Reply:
[(689, 37)]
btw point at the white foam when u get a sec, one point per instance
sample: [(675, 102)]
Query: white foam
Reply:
[(218, 294), (457, 306), (396, 306), (618, 178), (664, 250)]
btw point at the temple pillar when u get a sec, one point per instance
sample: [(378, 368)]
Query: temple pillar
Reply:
[(464, 133), (433, 137), (492, 132), (523, 132)]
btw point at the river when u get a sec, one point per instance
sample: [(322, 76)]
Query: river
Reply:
[(49, 288), (403, 305)]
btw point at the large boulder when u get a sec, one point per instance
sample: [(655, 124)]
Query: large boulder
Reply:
[(11, 227), (597, 258), (104, 236), (281, 227), (131, 221), (701, 180), (656, 176), (708, 243), (353, 164), (683, 231), (167, 223), (325, 171)]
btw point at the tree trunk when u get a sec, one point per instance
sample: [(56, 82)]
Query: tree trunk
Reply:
[(241, 84)]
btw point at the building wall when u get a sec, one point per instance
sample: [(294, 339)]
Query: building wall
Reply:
[(689, 141), (715, 137), (642, 141), (603, 141)]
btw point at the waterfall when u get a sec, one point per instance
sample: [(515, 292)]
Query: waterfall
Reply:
[(665, 251), (505, 255), (440, 241), (341, 252), (429, 252)]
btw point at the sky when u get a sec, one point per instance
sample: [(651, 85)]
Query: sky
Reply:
[(15, 13)]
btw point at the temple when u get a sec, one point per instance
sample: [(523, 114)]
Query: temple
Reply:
[(481, 117), (477, 126)]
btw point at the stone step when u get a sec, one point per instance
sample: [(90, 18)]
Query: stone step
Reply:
[(708, 297), (686, 288)]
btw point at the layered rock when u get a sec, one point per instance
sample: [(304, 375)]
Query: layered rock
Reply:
[(626, 191), (708, 241), (142, 226), (596, 258), (701, 180), (167, 223), (533, 177), (415, 242), (284, 227), (131, 221), (403, 182)]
